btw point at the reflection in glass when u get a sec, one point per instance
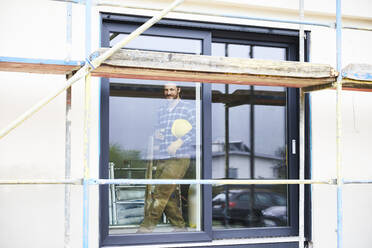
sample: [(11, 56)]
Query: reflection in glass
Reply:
[(154, 133), (238, 51), (248, 142), (272, 53), (157, 43)]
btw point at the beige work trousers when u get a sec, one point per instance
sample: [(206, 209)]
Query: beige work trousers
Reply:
[(165, 199)]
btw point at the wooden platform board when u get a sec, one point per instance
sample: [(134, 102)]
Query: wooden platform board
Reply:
[(148, 65), (41, 66), (210, 69)]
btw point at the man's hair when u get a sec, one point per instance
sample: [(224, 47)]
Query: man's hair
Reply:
[(172, 83)]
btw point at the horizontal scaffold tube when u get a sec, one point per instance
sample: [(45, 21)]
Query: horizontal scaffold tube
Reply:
[(357, 181), (40, 181), (94, 181), (209, 181)]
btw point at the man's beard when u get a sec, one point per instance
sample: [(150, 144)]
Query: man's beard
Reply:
[(171, 97)]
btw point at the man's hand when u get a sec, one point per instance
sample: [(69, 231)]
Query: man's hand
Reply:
[(159, 134), (174, 146)]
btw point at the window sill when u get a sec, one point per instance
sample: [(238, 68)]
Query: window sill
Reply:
[(223, 242)]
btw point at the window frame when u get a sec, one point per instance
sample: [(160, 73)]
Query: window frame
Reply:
[(208, 33), (131, 239), (292, 116)]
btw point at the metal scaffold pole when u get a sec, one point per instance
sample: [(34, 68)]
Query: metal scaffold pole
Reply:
[(301, 221), (210, 181), (301, 224), (68, 167), (67, 230), (87, 125), (338, 123), (95, 181)]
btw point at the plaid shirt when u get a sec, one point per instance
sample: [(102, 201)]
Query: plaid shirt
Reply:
[(166, 117)]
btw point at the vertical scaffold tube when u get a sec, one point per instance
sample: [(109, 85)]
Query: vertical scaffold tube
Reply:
[(338, 123), (87, 125), (302, 35), (68, 129), (301, 221), (87, 90), (67, 167)]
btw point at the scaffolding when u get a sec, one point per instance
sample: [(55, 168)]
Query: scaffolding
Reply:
[(115, 61)]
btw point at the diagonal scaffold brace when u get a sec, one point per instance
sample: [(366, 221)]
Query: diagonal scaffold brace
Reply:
[(88, 68)]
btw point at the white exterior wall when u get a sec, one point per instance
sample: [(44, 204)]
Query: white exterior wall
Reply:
[(32, 216)]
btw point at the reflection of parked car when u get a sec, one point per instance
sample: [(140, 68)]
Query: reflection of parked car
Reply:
[(269, 208), (275, 216)]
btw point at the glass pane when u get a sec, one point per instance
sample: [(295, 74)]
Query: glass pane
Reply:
[(272, 53), (164, 44), (218, 49), (154, 133), (249, 142), (238, 51)]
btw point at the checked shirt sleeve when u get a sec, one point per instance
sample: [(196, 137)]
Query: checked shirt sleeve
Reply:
[(189, 138)]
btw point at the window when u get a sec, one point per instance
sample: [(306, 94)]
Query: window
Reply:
[(248, 142), (225, 131)]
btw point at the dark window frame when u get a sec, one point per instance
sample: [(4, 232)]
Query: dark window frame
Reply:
[(131, 239), (292, 133), (208, 32)]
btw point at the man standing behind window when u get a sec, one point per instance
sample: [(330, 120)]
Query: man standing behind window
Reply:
[(175, 140)]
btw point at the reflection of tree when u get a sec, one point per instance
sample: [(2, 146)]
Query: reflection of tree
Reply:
[(281, 167), (126, 159)]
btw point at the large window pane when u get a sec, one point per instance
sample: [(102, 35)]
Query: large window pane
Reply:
[(154, 133), (248, 142), (147, 122)]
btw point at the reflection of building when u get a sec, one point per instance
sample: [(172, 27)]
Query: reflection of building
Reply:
[(265, 165)]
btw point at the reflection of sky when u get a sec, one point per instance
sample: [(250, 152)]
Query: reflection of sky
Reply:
[(166, 44), (132, 121)]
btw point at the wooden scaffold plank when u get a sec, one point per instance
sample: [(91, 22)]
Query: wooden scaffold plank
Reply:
[(42, 66), (357, 77), (201, 68)]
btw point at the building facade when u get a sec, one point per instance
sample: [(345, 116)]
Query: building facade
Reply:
[(239, 131)]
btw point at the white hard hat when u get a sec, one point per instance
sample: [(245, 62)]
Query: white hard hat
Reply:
[(181, 127)]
